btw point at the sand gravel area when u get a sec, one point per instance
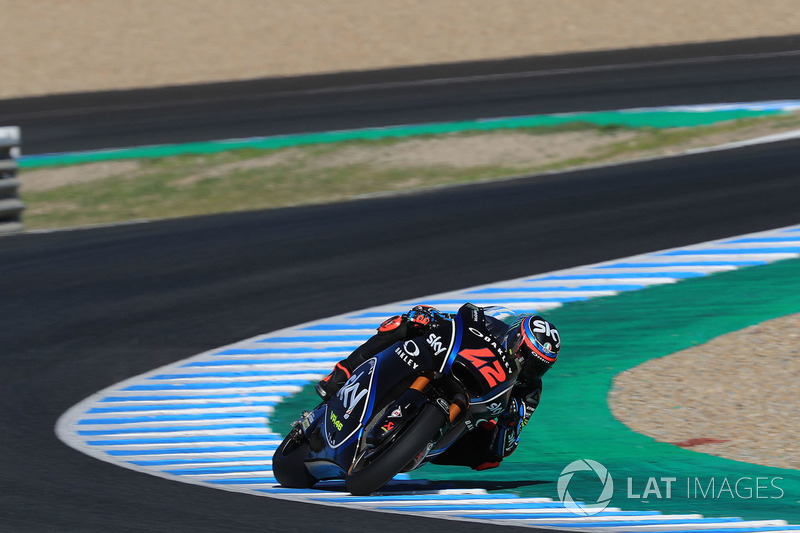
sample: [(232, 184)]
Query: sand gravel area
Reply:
[(509, 149), (46, 179), (740, 390), (56, 46)]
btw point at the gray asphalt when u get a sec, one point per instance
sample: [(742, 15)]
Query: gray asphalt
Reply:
[(754, 69), (86, 309)]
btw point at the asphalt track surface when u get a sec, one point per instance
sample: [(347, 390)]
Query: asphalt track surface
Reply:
[(746, 70), (86, 309)]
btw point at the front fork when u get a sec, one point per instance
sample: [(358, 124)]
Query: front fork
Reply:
[(438, 387), (456, 409), (426, 388)]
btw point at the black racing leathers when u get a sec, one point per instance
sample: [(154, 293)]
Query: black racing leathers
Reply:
[(487, 444)]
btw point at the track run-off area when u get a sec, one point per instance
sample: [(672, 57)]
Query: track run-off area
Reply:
[(215, 418)]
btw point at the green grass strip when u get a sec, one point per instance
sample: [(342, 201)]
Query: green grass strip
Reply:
[(603, 337), (632, 118)]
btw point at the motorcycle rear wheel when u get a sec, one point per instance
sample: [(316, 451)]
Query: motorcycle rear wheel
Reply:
[(362, 480), (288, 465)]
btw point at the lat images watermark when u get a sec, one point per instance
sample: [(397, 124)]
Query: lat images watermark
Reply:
[(706, 488), (580, 508), (660, 488)]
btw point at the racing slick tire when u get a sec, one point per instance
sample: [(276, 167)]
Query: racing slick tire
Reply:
[(364, 479)]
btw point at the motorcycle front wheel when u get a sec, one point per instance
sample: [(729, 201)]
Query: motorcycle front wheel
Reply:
[(366, 477), (289, 467)]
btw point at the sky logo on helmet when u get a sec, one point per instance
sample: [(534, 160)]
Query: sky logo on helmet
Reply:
[(549, 330), (534, 325)]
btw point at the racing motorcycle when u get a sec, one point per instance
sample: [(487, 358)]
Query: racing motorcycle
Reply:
[(401, 408)]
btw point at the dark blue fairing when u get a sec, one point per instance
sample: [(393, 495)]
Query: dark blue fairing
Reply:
[(340, 423)]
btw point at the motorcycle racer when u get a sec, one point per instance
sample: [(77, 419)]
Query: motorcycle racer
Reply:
[(530, 339)]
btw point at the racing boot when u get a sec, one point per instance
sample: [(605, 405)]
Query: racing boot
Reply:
[(331, 383)]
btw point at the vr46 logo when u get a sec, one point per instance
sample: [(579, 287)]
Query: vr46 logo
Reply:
[(493, 374), (338, 425)]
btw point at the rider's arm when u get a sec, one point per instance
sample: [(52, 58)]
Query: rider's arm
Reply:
[(394, 329), (397, 328), (524, 400)]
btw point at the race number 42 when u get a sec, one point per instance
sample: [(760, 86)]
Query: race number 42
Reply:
[(493, 373)]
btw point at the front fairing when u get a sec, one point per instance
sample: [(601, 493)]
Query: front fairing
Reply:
[(478, 361), (483, 368), (336, 433)]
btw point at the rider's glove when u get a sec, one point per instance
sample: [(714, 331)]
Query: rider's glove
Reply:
[(512, 417), (422, 315), (509, 427)]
